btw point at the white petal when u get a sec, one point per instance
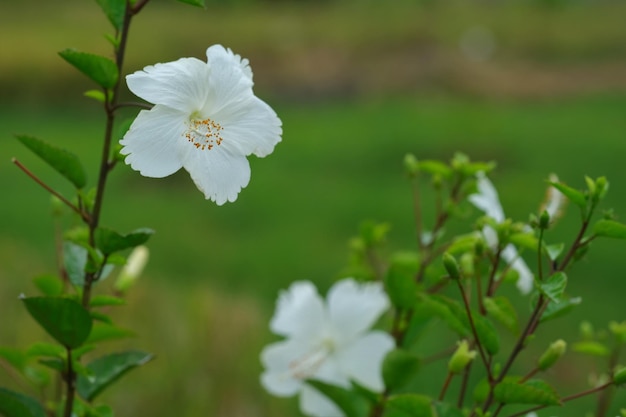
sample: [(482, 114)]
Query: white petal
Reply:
[(526, 279), (491, 237), (219, 52), (299, 312), (362, 360), (182, 84), (229, 87), (315, 404), (152, 140), (252, 127), (276, 358), (354, 307), (331, 373), (487, 198), (219, 174)]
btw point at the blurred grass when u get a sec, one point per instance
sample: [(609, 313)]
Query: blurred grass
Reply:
[(357, 85)]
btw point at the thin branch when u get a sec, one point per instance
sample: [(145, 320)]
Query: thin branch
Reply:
[(65, 201)]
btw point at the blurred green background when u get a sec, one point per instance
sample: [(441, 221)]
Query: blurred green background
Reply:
[(537, 86)]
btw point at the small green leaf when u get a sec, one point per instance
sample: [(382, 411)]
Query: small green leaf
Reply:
[(447, 410), (49, 284), (559, 308), (46, 349), (75, 260), (103, 332), (14, 404), (14, 357), (534, 391), (554, 286), (412, 405), (447, 310), (590, 347), (106, 300), (610, 228), (399, 367), (96, 95), (620, 377), (64, 319), (350, 403), (199, 3), (573, 195), (554, 251), (400, 280), (62, 161), (100, 69), (435, 167), (115, 10), (487, 334), (109, 241), (108, 369), (501, 309)]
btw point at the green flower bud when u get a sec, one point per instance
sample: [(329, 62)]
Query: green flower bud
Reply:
[(550, 356), (411, 165), (619, 377), (602, 186), (133, 268), (479, 247), (586, 330), (461, 358), (544, 220), (619, 330), (452, 267)]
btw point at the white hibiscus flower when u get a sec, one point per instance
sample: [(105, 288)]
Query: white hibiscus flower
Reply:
[(327, 341), (487, 200), (205, 119)]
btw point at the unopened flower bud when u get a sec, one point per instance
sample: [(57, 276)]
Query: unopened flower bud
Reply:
[(133, 268), (411, 165), (544, 220), (461, 358), (552, 354), (619, 377), (452, 267), (586, 330), (618, 330)]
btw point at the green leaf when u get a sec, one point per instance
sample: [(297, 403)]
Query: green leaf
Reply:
[(115, 10), (96, 95), (75, 260), (487, 334), (108, 369), (400, 280), (14, 357), (64, 319), (199, 3), (106, 300), (590, 347), (447, 410), (554, 286), (573, 195), (560, 308), (49, 284), (554, 251), (501, 309), (103, 332), (347, 401), (100, 69), (534, 391), (447, 310), (610, 228), (62, 161), (435, 167), (413, 405), (399, 367), (14, 404), (109, 241), (46, 349)]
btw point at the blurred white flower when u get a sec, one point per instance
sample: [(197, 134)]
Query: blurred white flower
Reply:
[(487, 200), (135, 264), (327, 341), (205, 119), (555, 200)]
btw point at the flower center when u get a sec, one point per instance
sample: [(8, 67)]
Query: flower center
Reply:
[(307, 365), (204, 134)]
